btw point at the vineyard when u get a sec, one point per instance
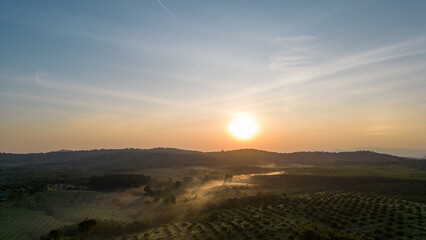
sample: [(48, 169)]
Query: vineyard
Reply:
[(60, 208), (16, 222), (281, 217)]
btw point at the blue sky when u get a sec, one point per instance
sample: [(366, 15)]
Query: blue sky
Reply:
[(316, 75)]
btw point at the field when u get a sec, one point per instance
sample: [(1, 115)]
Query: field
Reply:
[(282, 216), (390, 171), (381, 198), (60, 208), (22, 223)]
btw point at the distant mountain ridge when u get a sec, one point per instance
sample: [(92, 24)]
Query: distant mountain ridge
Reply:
[(130, 158), (400, 152), (70, 156)]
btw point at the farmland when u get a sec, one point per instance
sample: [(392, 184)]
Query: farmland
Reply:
[(386, 200), (59, 209), (282, 216)]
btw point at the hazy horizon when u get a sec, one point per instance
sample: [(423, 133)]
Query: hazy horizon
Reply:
[(400, 152), (314, 76)]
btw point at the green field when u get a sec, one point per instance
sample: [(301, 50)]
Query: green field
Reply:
[(61, 208), (280, 217), (21, 223)]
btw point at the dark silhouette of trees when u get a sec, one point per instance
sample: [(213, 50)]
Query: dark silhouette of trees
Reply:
[(55, 234), (148, 191), (110, 182), (178, 184), (170, 200), (85, 226)]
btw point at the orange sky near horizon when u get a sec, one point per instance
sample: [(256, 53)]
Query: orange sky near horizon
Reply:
[(274, 134), (315, 76)]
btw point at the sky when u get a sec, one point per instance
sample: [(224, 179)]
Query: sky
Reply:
[(316, 75)]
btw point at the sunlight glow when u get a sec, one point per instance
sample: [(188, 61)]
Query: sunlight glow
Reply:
[(243, 126)]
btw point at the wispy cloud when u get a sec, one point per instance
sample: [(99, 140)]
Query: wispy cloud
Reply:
[(107, 98), (287, 59), (303, 73), (165, 8), (299, 38), (79, 89), (292, 59), (39, 77)]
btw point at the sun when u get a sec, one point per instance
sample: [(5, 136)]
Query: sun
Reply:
[(243, 126)]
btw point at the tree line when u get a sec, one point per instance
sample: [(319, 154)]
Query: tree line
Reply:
[(111, 182)]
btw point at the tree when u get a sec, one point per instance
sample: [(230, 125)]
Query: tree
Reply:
[(39, 198), (20, 198), (148, 191), (178, 184), (85, 226), (170, 200), (310, 232), (226, 178), (55, 234)]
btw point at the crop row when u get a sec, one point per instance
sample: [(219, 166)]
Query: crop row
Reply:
[(279, 217)]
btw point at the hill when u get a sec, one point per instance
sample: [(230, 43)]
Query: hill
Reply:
[(170, 157)]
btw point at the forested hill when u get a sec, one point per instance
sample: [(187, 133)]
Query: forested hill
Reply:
[(10, 159), (169, 157), (311, 158)]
